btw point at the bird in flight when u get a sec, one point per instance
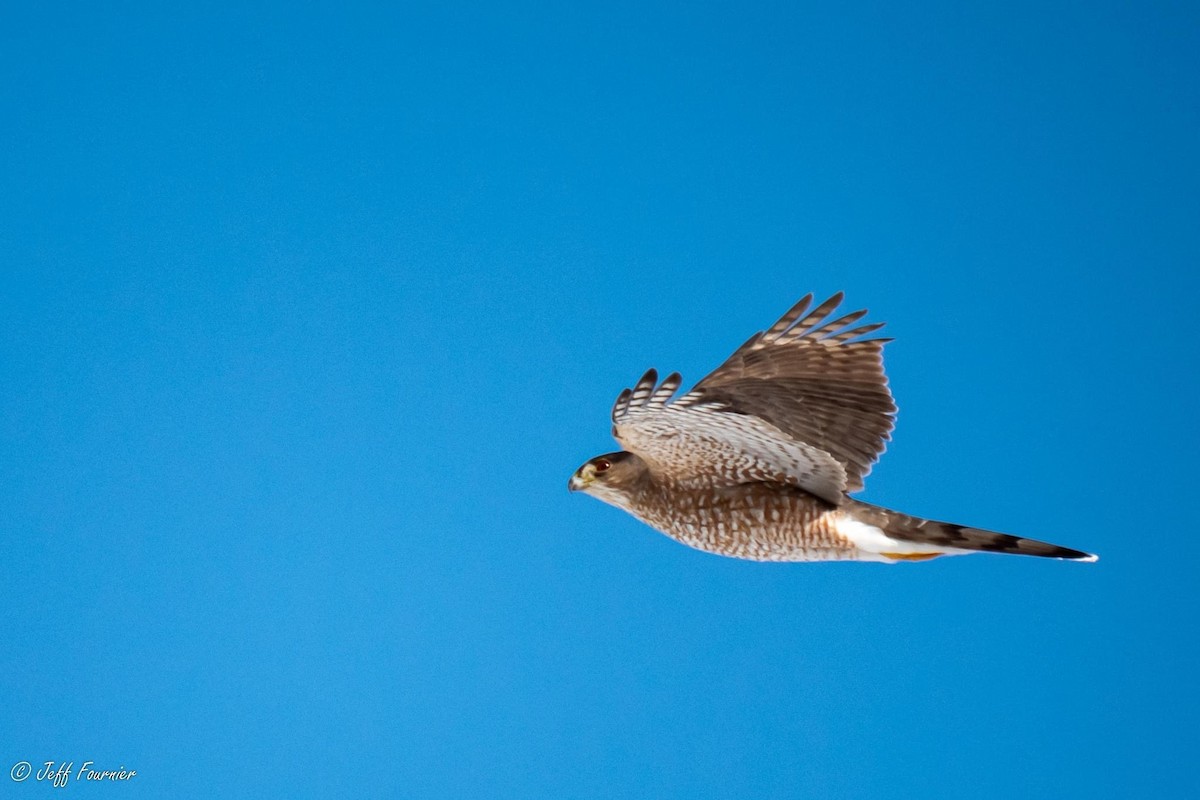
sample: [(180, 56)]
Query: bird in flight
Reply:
[(759, 459)]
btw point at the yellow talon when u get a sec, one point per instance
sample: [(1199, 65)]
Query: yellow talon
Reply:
[(911, 556)]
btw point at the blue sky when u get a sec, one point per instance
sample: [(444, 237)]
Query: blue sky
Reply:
[(308, 313)]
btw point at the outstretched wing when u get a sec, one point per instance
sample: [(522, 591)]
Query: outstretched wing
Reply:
[(805, 402)]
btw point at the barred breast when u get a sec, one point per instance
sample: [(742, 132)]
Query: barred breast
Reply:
[(756, 521)]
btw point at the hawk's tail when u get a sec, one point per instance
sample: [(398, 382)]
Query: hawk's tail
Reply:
[(901, 537)]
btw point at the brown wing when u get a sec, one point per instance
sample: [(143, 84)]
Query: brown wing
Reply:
[(698, 444), (805, 402), (815, 379)]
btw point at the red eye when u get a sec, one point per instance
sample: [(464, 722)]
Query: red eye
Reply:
[(602, 465)]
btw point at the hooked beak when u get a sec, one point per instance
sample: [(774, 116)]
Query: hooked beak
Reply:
[(576, 484)]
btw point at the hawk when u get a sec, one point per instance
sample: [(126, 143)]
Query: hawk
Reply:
[(759, 459)]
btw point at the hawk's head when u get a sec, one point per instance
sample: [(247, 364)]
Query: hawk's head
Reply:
[(612, 477)]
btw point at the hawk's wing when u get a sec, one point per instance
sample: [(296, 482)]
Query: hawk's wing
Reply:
[(805, 402)]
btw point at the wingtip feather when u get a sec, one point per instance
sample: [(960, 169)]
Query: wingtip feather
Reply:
[(789, 316)]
